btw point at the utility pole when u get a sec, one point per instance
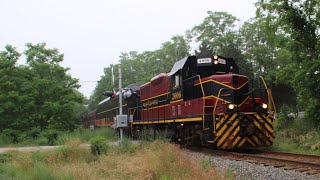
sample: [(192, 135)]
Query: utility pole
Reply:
[(120, 101)]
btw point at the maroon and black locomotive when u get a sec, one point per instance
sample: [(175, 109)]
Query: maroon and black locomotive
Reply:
[(200, 101)]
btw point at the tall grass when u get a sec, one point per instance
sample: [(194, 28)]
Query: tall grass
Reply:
[(45, 138), (296, 135), (153, 160), (291, 140), (85, 135)]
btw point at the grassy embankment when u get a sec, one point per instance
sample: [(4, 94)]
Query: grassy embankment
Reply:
[(44, 139), (149, 160), (296, 136)]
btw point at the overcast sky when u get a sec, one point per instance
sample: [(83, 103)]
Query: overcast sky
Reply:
[(93, 33)]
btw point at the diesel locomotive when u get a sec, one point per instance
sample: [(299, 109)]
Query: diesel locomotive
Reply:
[(201, 101)]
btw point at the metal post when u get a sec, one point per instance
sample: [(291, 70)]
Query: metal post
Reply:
[(120, 100)]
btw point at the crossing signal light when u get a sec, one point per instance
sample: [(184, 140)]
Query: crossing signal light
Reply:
[(108, 93)]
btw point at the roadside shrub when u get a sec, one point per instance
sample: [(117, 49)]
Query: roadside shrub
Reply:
[(98, 145), (128, 147), (85, 135), (284, 121), (4, 140), (40, 156), (71, 152), (5, 158), (51, 136)]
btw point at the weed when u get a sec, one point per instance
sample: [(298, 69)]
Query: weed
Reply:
[(98, 145), (127, 146), (229, 174), (5, 158), (70, 152), (152, 160), (40, 156), (206, 163)]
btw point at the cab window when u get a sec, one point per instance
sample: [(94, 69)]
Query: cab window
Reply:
[(177, 81)]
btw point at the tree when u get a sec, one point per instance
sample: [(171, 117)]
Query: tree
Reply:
[(217, 34), (54, 95), (14, 98), (298, 21), (141, 67), (37, 96)]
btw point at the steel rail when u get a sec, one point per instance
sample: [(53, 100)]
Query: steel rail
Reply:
[(309, 164)]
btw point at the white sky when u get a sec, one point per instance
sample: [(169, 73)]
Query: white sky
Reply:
[(93, 33)]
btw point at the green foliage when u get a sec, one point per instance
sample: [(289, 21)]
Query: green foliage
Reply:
[(229, 174), (4, 140), (285, 120), (5, 157), (71, 152), (296, 141), (98, 145), (217, 34), (37, 96), (39, 171), (85, 135), (257, 48), (298, 50), (141, 67), (206, 163), (51, 136), (126, 146), (39, 156)]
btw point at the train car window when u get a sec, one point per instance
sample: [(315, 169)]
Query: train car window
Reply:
[(176, 81)]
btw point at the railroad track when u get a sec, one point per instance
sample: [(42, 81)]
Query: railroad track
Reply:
[(309, 164)]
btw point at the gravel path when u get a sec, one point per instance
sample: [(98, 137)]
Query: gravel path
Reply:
[(31, 148), (39, 148), (244, 170)]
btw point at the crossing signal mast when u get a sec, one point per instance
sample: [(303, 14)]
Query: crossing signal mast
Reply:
[(121, 120)]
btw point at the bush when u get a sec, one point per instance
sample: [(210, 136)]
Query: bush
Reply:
[(40, 156), (4, 140), (85, 135), (48, 137), (71, 152), (98, 145), (5, 158), (128, 147), (284, 121)]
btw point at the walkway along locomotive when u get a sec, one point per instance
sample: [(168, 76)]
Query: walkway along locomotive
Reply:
[(201, 101)]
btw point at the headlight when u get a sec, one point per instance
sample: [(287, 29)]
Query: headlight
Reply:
[(215, 61), (231, 106), (264, 106)]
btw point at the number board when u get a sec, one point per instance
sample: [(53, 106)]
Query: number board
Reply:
[(204, 60)]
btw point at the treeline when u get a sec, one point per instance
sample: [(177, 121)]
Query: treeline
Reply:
[(37, 97), (281, 43)]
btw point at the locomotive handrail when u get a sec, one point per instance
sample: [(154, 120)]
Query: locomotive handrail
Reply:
[(198, 76), (270, 98), (203, 101), (252, 90), (214, 110)]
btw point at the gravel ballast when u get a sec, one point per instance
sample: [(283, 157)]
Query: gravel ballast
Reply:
[(245, 170)]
